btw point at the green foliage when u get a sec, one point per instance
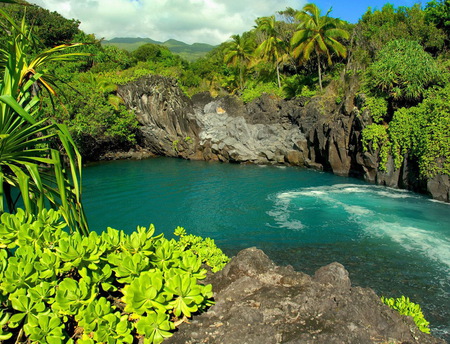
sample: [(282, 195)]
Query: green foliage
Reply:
[(405, 307), (251, 93), (98, 119), (319, 35), (377, 106), (206, 249), (378, 27), (299, 86), (149, 52), (438, 12), (375, 139), (108, 288), (403, 71), (238, 53), (29, 163), (420, 132), (51, 28)]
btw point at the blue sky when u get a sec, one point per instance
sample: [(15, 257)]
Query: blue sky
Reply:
[(190, 21), (352, 11)]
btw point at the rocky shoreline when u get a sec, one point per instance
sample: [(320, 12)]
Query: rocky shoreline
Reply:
[(259, 302), (318, 132)]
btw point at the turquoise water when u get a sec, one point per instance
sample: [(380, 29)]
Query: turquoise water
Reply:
[(394, 241)]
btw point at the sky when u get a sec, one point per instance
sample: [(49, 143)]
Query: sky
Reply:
[(190, 21)]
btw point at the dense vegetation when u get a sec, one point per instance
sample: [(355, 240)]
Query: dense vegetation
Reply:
[(61, 283), (399, 54), (57, 287)]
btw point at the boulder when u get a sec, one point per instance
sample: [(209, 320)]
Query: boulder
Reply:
[(260, 302)]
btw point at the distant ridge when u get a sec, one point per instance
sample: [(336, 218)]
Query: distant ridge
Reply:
[(189, 52), (132, 40)]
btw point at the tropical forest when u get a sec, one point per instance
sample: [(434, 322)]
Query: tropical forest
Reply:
[(365, 106)]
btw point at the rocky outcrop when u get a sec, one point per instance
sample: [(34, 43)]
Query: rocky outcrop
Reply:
[(213, 129), (322, 132), (233, 132), (259, 302), (165, 114)]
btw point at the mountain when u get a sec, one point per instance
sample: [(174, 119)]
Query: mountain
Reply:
[(189, 52), (132, 40)]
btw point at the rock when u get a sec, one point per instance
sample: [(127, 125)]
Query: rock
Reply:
[(259, 302), (165, 114), (313, 132), (439, 187)]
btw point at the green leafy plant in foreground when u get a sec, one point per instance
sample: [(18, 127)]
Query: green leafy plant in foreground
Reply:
[(61, 287), (405, 307), (31, 166)]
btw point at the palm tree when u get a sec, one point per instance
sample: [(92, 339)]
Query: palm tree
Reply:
[(238, 53), (318, 34), (273, 48), (31, 168)]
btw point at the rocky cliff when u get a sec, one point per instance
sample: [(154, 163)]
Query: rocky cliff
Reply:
[(322, 132), (259, 302)]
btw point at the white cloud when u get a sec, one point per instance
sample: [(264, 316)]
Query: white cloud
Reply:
[(206, 21)]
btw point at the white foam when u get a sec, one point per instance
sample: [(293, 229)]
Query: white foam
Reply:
[(391, 194), (437, 201), (282, 218), (356, 210), (428, 243)]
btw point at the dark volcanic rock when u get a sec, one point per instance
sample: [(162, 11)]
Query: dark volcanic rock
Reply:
[(165, 114), (259, 302)]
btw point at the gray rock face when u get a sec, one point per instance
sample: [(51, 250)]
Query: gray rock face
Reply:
[(236, 139), (210, 129), (259, 302)]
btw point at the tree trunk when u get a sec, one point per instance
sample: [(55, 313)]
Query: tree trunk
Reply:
[(320, 71), (278, 75)]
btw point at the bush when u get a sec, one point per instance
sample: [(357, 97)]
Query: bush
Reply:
[(57, 287), (421, 132), (378, 108), (405, 307), (256, 91), (403, 71)]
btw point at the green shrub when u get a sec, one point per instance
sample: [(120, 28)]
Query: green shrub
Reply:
[(421, 132), (375, 138), (57, 287), (405, 307), (403, 70), (256, 91), (378, 108), (299, 86)]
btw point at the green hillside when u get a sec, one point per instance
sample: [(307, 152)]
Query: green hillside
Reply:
[(190, 52)]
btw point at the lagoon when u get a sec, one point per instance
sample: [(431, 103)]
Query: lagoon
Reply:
[(394, 241)]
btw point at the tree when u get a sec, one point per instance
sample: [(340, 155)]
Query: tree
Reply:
[(318, 34), (29, 162), (238, 53), (378, 27), (148, 52), (403, 71), (438, 12), (273, 48), (51, 28)]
